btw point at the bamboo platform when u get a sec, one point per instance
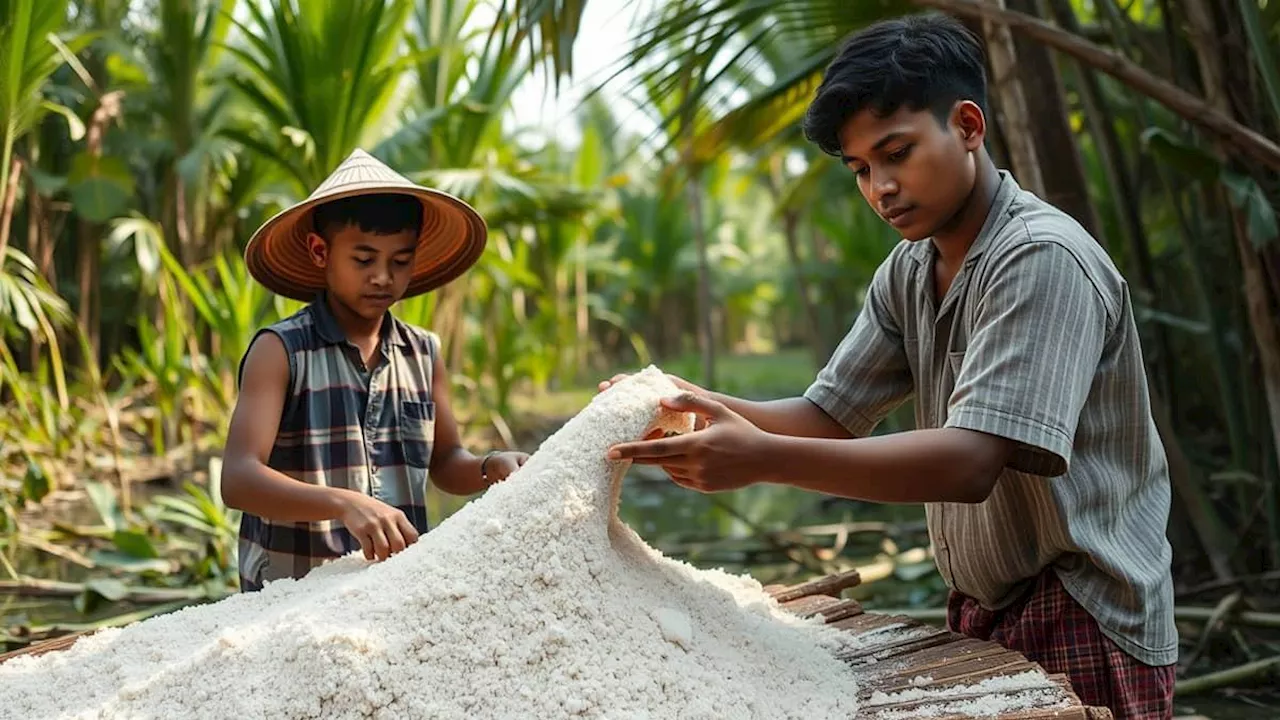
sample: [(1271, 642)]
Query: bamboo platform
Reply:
[(908, 669)]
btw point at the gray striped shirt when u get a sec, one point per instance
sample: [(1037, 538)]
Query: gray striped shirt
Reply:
[(1034, 341)]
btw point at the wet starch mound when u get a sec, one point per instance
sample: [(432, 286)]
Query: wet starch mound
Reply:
[(532, 601)]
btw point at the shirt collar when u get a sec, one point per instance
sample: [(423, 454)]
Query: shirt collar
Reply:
[(330, 331), (1006, 192)]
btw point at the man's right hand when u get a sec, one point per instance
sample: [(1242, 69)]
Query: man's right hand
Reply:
[(381, 530)]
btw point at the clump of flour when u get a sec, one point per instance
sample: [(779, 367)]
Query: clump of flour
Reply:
[(532, 601)]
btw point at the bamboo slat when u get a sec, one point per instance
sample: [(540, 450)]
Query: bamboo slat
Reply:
[(909, 669)]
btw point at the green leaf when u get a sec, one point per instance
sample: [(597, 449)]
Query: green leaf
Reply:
[(1248, 197), (99, 199), (109, 588), (137, 544), (97, 590), (103, 498), (47, 184), (75, 125), (35, 484), (1176, 153), (128, 563), (100, 187)]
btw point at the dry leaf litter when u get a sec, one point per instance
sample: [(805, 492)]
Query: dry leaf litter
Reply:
[(534, 600)]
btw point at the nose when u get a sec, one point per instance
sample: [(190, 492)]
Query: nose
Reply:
[(381, 276), (883, 184)]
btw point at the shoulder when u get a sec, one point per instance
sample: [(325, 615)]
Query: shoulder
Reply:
[(419, 340), (894, 276), (1054, 254), (297, 331)]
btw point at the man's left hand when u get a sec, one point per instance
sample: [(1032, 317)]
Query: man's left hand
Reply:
[(730, 453)]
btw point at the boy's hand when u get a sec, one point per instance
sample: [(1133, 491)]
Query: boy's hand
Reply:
[(679, 382), (730, 453), (500, 465), (381, 529), (699, 422)]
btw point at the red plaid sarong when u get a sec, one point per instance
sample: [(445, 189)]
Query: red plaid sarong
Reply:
[(1049, 627)]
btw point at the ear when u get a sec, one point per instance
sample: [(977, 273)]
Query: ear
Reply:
[(318, 249), (970, 121)]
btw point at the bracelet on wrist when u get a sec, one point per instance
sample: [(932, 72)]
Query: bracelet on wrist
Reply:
[(484, 473)]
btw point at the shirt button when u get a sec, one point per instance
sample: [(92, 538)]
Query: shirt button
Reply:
[(373, 469)]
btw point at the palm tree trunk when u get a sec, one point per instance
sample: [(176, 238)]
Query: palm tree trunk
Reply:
[(1011, 104), (1064, 180), (706, 327)]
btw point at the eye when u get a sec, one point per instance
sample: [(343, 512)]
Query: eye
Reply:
[(363, 261), (402, 263), (900, 154), (859, 170)]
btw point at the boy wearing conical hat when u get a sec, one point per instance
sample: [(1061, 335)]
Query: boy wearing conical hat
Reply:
[(344, 410)]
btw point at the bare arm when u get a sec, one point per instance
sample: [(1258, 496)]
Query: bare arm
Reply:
[(453, 468), (795, 416), (933, 465), (247, 482)]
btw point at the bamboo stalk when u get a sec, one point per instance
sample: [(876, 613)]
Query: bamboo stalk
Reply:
[(1224, 678), (37, 587), (6, 210)]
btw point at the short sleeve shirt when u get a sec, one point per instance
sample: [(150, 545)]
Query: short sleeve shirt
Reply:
[(344, 425), (1034, 341)]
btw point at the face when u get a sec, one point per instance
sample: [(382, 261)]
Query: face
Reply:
[(367, 273), (914, 171)]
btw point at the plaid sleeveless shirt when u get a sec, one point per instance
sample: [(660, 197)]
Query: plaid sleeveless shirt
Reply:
[(347, 426)]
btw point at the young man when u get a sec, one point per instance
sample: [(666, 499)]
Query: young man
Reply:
[(344, 410), (1044, 480)]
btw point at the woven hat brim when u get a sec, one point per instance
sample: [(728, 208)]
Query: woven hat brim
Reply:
[(453, 238)]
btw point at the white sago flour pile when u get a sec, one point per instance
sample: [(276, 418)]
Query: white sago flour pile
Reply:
[(533, 601)]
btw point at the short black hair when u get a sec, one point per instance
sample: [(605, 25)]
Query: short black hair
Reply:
[(378, 213), (921, 61)]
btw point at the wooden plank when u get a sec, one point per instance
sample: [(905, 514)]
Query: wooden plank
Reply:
[(842, 610), (809, 606), (45, 646), (827, 585)]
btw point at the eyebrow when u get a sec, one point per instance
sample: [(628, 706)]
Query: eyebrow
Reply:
[(846, 159), (372, 249)]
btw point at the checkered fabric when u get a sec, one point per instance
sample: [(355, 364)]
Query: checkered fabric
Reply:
[(347, 426), (1049, 627)]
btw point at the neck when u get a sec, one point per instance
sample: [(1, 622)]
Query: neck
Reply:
[(954, 239), (355, 327)]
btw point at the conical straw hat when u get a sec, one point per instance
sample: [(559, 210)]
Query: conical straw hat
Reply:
[(453, 233)]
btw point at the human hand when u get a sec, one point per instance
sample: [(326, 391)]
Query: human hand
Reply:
[(679, 382), (699, 422), (729, 454), (498, 466), (381, 530)]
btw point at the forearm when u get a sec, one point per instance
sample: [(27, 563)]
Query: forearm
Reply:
[(795, 416), (457, 472), (249, 485), (934, 465)]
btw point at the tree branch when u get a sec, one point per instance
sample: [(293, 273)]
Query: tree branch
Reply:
[(1190, 107)]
